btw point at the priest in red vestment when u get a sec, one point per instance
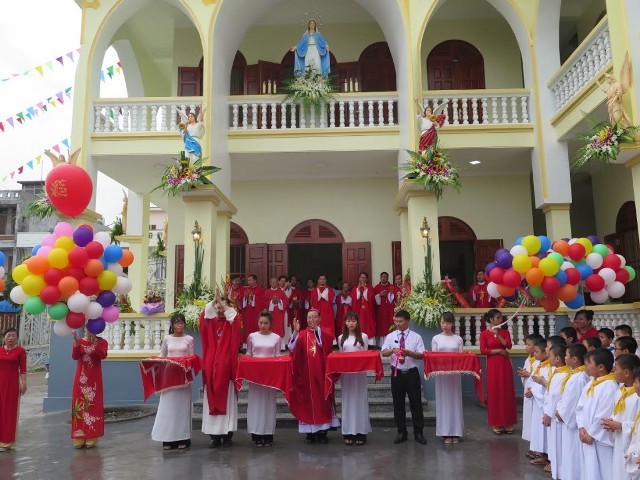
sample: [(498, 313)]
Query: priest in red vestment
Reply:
[(385, 307), (275, 301), (252, 305), (478, 294), (363, 298), (322, 298), (344, 305), (220, 342), (309, 349), (308, 293), (398, 290), (296, 301)]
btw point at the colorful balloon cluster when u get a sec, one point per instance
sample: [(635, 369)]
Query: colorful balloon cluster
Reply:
[(3, 259), (74, 275), (553, 272)]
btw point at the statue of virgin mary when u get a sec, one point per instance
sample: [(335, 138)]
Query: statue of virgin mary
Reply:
[(311, 52)]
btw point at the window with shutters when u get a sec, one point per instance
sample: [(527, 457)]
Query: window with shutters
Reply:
[(315, 231)]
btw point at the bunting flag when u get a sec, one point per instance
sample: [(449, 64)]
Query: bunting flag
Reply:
[(53, 101), (72, 56), (59, 147)]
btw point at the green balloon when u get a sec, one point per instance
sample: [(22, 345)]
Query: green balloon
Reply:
[(58, 311), (632, 272), (536, 292), (35, 306), (601, 250), (557, 257)]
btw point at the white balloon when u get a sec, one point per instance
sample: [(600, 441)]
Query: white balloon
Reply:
[(17, 295), (572, 241), (115, 268), (615, 290), (103, 238), (78, 302), (566, 265), (623, 262), (123, 286), (492, 289), (2, 272), (608, 274), (518, 250), (93, 310), (61, 328), (600, 297), (594, 260)]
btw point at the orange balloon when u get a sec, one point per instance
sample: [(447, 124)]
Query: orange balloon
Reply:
[(567, 292), (534, 277), (127, 258), (550, 304), (37, 265), (2, 285), (506, 291), (535, 261), (562, 247), (93, 268), (68, 286)]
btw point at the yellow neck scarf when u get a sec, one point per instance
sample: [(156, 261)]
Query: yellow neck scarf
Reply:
[(621, 404), (581, 368), (635, 423), (597, 381), (531, 361), (564, 369), (541, 365)]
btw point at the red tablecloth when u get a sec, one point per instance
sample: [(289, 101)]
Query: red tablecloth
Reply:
[(351, 362), (453, 363), (273, 372), (165, 373)]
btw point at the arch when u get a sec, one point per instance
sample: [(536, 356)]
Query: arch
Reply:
[(377, 70), (453, 229), (314, 231), (455, 65), (237, 86), (237, 235), (626, 219)]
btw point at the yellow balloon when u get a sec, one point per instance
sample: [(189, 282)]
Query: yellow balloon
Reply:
[(58, 258), (549, 267), (532, 244), (66, 243), (107, 280), (586, 243), (32, 284), (19, 273), (521, 263)]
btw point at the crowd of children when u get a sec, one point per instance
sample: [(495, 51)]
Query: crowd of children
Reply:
[(581, 409)]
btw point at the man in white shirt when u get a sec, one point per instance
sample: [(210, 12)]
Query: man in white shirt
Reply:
[(405, 349)]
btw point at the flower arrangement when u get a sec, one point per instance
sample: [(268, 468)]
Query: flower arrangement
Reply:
[(123, 302), (310, 88), (153, 302), (40, 208), (432, 169), (603, 143), (185, 175), (192, 300), (116, 230), (161, 248)]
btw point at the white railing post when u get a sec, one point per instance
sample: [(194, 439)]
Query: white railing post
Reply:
[(245, 116), (467, 330), (341, 113), (263, 116), (351, 114), (127, 334), (474, 110), (485, 117), (380, 112), (370, 111), (360, 113), (234, 117), (146, 324), (323, 115), (332, 114), (303, 123), (283, 115), (476, 340), (254, 116), (312, 116), (465, 112), (520, 330), (274, 115), (136, 334)]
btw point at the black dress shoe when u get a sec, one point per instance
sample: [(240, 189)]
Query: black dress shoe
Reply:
[(419, 437), (226, 440), (322, 439), (402, 437), (311, 438), (215, 442)]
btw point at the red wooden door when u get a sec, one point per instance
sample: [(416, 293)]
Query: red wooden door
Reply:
[(356, 258), (189, 81), (396, 258), (278, 260), (252, 80), (377, 69), (485, 252), (257, 262), (178, 274), (269, 71)]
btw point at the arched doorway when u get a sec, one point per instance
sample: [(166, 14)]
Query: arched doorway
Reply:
[(455, 65), (237, 86), (377, 71), (625, 242), (238, 241)]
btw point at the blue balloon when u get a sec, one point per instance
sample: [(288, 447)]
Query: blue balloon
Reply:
[(561, 277), (518, 241), (112, 253), (545, 243), (34, 250), (501, 251), (576, 303), (504, 260), (585, 270), (2, 259), (593, 239)]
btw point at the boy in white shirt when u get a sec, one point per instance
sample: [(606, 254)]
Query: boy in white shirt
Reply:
[(554, 427)]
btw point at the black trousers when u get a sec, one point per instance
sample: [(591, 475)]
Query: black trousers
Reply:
[(407, 383)]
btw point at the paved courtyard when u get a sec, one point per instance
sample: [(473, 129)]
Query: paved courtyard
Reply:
[(127, 452)]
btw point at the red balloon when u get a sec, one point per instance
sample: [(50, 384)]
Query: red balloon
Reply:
[(53, 276), (611, 261), (577, 252), (550, 285), (573, 276), (594, 282), (50, 294), (550, 304), (69, 188), (511, 278), (94, 249), (75, 320), (76, 272), (89, 286), (496, 275), (78, 257), (622, 276)]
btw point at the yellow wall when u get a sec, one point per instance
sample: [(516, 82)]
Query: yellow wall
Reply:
[(494, 39), (361, 209), (611, 189), (187, 52)]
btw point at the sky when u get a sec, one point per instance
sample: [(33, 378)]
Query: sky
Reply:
[(52, 31)]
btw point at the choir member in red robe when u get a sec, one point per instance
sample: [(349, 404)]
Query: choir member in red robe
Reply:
[(322, 298), (308, 293), (220, 343), (344, 305), (87, 400), (236, 298), (478, 294), (296, 301), (13, 384), (385, 307), (398, 290), (252, 305), (309, 348), (363, 298), (275, 301)]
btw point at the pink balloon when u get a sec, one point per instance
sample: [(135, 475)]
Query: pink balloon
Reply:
[(63, 229), (48, 240), (44, 250), (110, 314)]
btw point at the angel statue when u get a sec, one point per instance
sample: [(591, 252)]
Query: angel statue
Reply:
[(312, 52), (615, 92), (60, 159), (192, 132), (125, 210), (430, 121)]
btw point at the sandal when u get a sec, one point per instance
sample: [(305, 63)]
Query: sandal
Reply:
[(508, 431), (448, 440), (361, 440), (166, 447), (531, 454), (547, 468), (539, 461), (496, 430), (348, 441), (259, 443), (455, 440)]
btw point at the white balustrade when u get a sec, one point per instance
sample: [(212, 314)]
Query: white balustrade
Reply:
[(133, 333), (611, 318), (585, 64)]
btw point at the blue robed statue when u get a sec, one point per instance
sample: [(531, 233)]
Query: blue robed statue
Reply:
[(311, 52)]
